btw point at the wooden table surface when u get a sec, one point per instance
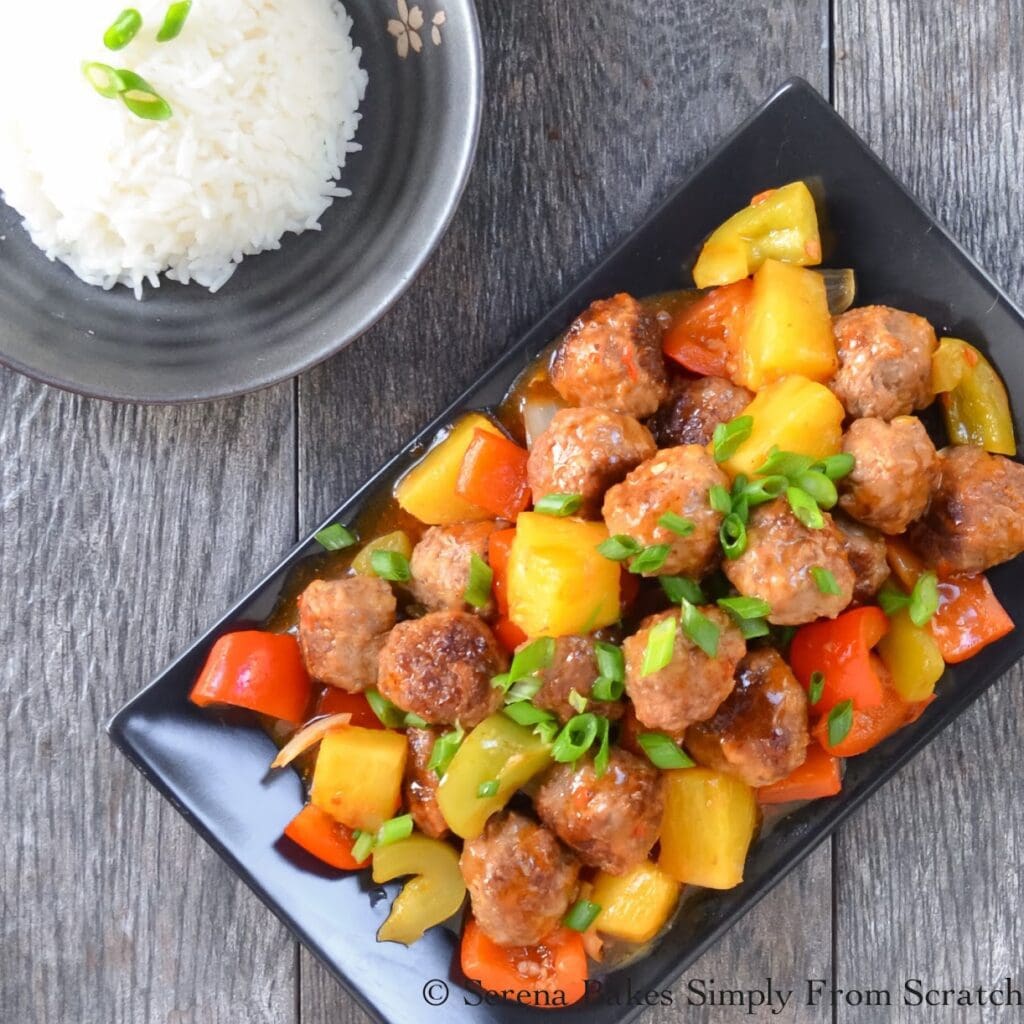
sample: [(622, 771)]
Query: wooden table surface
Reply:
[(124, 531)]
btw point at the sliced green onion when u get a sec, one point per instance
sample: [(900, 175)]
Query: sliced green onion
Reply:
[(680, 588), (142, 99), (892, 600), (546, 730), (335, 537), (577, 701), (663, 752), (394, 829), (619, 547), (390, 565), (788, 464), (525, 713), (174, 21), (840, 721), (677, 524), (444, 750), (650, 559), (805, 508), (816, 687), (819, 487), (582, 915), (610, 661), (700, 629), (720, 499), (924, 599), (576, 738), (732, 535), (103, 78), (488, 788), (835, 467), (603, 754), (768, 488), (413, 721), (478, 589), (729, 436), (825, 580), (559, 504), (746, 607), (523, 689), (124, 28), (363, 845), (390, 715), (532, 658), (750, 629), (606, 688), (661, 642)]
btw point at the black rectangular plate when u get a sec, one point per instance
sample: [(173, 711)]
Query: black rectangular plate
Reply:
[(216, 774)]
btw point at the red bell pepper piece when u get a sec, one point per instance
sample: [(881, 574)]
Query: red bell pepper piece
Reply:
[(326, 839), (493, 475), (705, 336), (333, 701), (817, 777), (508, 634), (498, 545), (259, 671), (840, 649), (555, 969), (872, 725)]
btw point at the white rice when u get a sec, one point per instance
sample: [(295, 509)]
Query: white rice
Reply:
[(264, 94)]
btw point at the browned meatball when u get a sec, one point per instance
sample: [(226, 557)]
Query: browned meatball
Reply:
[(342, 624), (440, 564), (420, 787), (675, 480), (760, 733), (573, 667), (610, 357), (521, 880), (976, 518), (440, 668), (585, 451), (885, 361), (695, 408), (612, 821), (777, 563), (895, 469), (865, 549), (692, 685)]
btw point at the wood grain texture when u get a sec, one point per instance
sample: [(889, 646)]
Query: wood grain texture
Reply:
[(594, 111), (123, 533), (929, 874)]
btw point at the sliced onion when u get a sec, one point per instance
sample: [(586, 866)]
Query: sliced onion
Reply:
[(841, 289), (537, 415), (308, 736)]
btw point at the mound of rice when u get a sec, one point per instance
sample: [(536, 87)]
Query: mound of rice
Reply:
[(264, 94)]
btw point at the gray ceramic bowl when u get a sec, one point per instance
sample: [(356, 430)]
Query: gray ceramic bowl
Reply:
[(283, 311)]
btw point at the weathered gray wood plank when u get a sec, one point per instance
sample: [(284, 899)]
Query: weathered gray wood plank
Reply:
[(123, 533), (593, 112), (930, 873)]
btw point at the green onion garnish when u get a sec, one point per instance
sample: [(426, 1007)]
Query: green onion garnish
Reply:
[(363, 845), (603, 747), (394, 829), (661, 642), (788, 464), (750, 629), (413, 721), (576, 738), (106, 80), (531, 658), (478, 589), (546, 730), (335, 537), (677, 524), (746, 607), (577, 701), (819, 487), (123, 30), (142, 99), (732, 535), (892, 600), (619, 547), (606, 688), (662, 752), (840, 721), (700, 629), (610, 660), (924, 599), (487, 789), (805, 508), (444, 750), (582, 915), (729, 436), (679, 588), (524, 713), (174, 21), (650, 559), (390, 715), (825, 580), (768, 488), (720, 499), (558, 504), (816, 687), (523, 689), (390, 565), (835, 467)]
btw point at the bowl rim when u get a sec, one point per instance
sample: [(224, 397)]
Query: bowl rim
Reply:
[(403, 277)]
